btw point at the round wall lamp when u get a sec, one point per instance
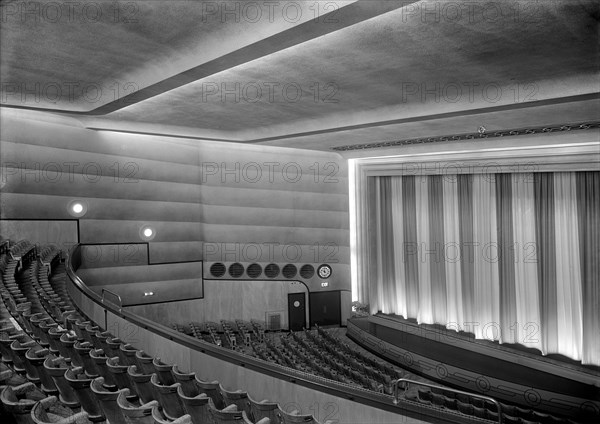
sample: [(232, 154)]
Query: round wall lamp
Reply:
[(147, 233), (77, 208)]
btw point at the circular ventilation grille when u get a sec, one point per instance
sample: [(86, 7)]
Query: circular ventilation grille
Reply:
[(307, 271), (217, 269), (254, 270), (289, 271), (272, 270), (236, 270)]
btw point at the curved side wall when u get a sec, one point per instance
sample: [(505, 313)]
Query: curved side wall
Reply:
[(292, 390)]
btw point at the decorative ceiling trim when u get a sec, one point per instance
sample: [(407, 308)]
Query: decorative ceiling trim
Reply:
[(479, 135)]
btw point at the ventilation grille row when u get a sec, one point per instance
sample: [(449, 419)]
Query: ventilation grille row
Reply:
[(236, 270)]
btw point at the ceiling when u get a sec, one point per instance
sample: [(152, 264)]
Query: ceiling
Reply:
[(305, 74)]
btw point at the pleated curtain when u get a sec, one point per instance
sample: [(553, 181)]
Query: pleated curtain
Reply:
[(508, 257)]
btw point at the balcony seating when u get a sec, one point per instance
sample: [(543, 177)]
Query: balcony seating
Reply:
[(113, 346), (79, 328), (159, 418), (465, 408), (56, 368), (88, 332), (168, 398), (107, 399), (68, 340), (196, 406), (35, 320), (262, 409), (24, 312), (19, 401), (36, 355), (70, 320), (20, 349), (142, 384), (294, 417), (45, 327), (8, 355), (41, 307), (228, 414), (437, 399), (122, 380), (238, 398), (164, 372), (127, 354), (132, 413), (99, 358), (144, 362), (211, 388), (81, 385), (479, 412), (508, 419), (8, 377), (50, 411), (187, 381), (54, 335), (99, 340), (89, 364)]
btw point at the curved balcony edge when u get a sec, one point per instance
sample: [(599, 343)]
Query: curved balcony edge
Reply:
[(289, 375)]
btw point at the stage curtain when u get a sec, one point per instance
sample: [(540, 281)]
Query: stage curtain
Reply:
[(421, 250), (545, 238), (399, 303), (568, 270), (524, 262), (588, 206), (455, 307), (508, 257), (486, 314)]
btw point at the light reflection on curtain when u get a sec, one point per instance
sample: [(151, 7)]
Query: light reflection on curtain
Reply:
[(527, 330), (508, 257), (452, 254), (568, 271), (398, 246), (486, 276), (420, 250)]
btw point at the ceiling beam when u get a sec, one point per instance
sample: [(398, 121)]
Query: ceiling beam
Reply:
[(333, 21), (422, 118)]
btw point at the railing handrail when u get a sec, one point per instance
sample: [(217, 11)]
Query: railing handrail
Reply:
[(359, 394), (408, 381), (120, 305)]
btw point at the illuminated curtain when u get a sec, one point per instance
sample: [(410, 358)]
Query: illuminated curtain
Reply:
[(421, 248), (398, 246), (508, 257), (486, 274), (455, 312), (568, 271), (588, 208), (527, 319)]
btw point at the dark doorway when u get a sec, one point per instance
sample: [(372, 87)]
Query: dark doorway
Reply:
[(297, 311), (325, 308)]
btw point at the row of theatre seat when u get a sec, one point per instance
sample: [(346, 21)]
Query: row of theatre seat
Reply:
[(480, 408), (322, 353), (317, 353), (57, 367), (232, 335)]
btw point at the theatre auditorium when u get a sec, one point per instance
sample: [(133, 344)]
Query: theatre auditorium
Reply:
[(299, 212)]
